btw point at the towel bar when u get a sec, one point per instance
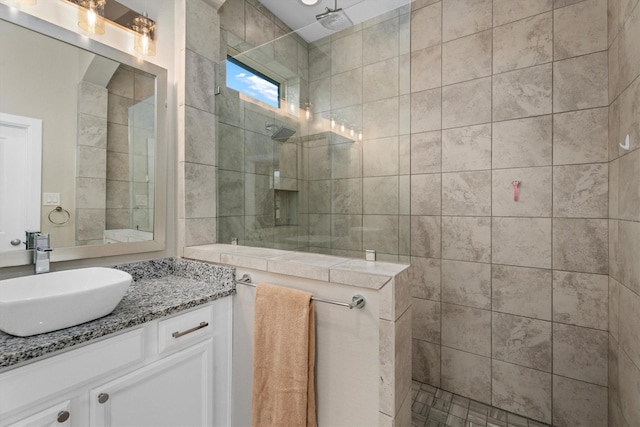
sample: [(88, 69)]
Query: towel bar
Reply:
[(357, 301)]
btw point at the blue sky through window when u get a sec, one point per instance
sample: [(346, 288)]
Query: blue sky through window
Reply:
[(251, 83)]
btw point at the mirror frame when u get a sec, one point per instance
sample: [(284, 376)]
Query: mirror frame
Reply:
[(47, 29)]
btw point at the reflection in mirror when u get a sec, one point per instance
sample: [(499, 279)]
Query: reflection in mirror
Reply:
[(99, 134)]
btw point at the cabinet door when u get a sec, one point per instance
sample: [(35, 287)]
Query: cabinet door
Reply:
[(56, 416), (175, 391)]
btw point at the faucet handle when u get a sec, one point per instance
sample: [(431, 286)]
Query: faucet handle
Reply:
[(31, 239), (42, 241)]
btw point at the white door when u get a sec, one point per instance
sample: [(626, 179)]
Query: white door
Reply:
[(20, 163)]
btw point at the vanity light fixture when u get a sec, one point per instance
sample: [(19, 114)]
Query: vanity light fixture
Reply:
[(91, 16), (360, 135), (307, 111), (333, 122), (145, 29), (309, 2)]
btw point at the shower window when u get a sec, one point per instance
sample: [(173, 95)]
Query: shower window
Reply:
[(252, 83)]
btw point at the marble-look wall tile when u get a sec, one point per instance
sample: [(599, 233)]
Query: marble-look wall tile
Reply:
[(505, 11), (379, 156), (425, 111), (346, 94), (614, 308), (91, 193), (466, 374), (426, 362), (580, 29), (320, 95), (578, 404), (426, 68), (522, 93), (346, 53), (231, 196), (201, 15), (199, 82), (466, 148), (523, 43), (426, 320), (522, 291), (521, 390), (466, 193), (629, 187), (466, 238), (580, 353), (580, 245), (381, 233), (467, 103), (524, 242), (199, 231), (629, 388), (521, 340), (425, 194), (466, 58), (629, 332), (347, 159), (346, 232), (534, 198), (522, 142), (93, 99), (581, 191), (580, 137), (92, 163), (630, 107), (424, 276), (466, 283), (320, 196), (628, 250), (381, 41), (346, 196), (262, 30), (467, 329), (200, 191), (464, 17), (426, 236), (580, 83), (426, 27), (380, 118), (230, 144), (200, 134), (580, 299), (90, 224), (426, 151), (380, 195), (92, 131)]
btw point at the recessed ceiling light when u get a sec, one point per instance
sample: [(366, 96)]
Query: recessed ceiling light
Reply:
[(309, 2)]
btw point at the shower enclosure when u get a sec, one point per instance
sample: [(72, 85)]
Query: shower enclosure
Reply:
[(324, 167)]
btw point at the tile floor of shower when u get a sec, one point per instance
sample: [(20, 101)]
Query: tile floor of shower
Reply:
[(433, 407)]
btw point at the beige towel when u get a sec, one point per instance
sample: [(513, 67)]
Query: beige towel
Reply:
[(283, 358)]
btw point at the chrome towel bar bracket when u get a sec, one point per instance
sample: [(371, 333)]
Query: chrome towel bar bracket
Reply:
[(357, 301)]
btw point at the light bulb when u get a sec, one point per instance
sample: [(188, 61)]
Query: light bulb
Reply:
[(360, 136), (342, 127), (307, 113), (351, 132), (333, 123)]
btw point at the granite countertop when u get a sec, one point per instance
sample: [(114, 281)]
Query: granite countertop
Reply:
[(160, 288)]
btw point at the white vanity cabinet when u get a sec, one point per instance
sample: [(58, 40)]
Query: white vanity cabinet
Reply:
[(168, 372)]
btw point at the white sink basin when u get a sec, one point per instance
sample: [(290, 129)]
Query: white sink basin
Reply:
[(47, 302)]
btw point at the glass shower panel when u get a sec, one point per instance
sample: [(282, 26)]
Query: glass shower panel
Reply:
[(328, 170)]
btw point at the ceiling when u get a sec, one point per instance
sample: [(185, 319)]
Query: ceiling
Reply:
[(302, 19)]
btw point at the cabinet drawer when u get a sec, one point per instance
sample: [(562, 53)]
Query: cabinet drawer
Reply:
[(39, 380), (59, 416), (184, 328)]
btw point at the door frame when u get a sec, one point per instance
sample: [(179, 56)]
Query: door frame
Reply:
[(33, 165)]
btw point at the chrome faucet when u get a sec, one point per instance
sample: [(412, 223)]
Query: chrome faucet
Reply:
[(39, 242)]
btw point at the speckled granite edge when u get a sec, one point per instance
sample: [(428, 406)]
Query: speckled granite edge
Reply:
[(161, 288)]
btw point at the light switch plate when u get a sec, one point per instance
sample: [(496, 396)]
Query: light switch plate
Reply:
[(51, 199)]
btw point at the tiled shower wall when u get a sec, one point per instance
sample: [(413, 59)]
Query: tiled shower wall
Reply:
[(624, 213), (510, 298)]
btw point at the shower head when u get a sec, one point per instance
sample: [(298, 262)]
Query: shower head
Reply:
[(334, 19), (280, 133)]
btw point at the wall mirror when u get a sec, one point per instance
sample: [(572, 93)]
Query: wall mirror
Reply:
[(82, 150)]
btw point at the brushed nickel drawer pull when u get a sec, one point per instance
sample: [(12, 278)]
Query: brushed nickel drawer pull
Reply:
[(177, 334), (63, 416)]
